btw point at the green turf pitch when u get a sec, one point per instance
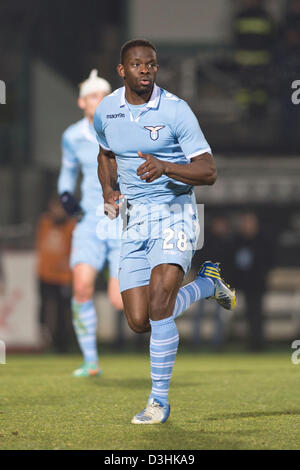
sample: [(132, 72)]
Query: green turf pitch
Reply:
[(218, 401)]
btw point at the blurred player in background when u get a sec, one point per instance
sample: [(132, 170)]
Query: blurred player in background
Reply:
[(92, 242), (133, 124)]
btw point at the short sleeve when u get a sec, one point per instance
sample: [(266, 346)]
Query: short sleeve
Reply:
[(189, 133), (100, 131)]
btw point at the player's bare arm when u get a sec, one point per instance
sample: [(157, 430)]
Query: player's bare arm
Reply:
[(200, 171), (107, 174)]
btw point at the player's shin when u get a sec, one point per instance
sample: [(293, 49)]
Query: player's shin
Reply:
[(85, 325), (163, 349)]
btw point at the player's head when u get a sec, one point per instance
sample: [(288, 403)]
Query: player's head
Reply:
[(138, 65), (91, 92)]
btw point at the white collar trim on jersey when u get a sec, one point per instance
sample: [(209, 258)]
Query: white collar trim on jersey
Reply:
[(152, 103)]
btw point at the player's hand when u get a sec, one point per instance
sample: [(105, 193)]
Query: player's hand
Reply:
[(151, 169), (112, 203), (71, 205)]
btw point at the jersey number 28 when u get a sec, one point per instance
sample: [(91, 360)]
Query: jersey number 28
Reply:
[(169, 234)]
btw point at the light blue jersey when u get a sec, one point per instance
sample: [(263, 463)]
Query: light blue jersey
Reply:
[(165, 127), (80, 149)]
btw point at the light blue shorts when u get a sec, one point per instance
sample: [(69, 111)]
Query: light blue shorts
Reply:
[(164, 234), (95, 241)]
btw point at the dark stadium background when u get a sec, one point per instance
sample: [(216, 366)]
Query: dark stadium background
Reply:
[(48, 47)]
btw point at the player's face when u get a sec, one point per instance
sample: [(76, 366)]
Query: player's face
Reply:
[(139, 69), (90, 103)]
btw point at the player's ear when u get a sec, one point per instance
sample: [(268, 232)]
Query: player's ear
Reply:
[(81, 103), (121, 71)]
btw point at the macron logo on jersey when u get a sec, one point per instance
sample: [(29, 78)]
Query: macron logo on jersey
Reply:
[(114, 116), (154, 131)]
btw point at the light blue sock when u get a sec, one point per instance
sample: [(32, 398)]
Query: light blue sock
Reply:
[(201, 288), (85, 325), (163, 348)]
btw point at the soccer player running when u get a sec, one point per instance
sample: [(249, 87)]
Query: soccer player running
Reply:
[(160, 152), (95, 238)]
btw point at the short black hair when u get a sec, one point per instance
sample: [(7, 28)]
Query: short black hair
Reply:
[(134, 43)]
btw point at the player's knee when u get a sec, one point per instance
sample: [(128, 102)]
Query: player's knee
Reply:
[(116, 302), (137, 324), (82, 291), (115, 299), (137, 328), (114, 294)]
